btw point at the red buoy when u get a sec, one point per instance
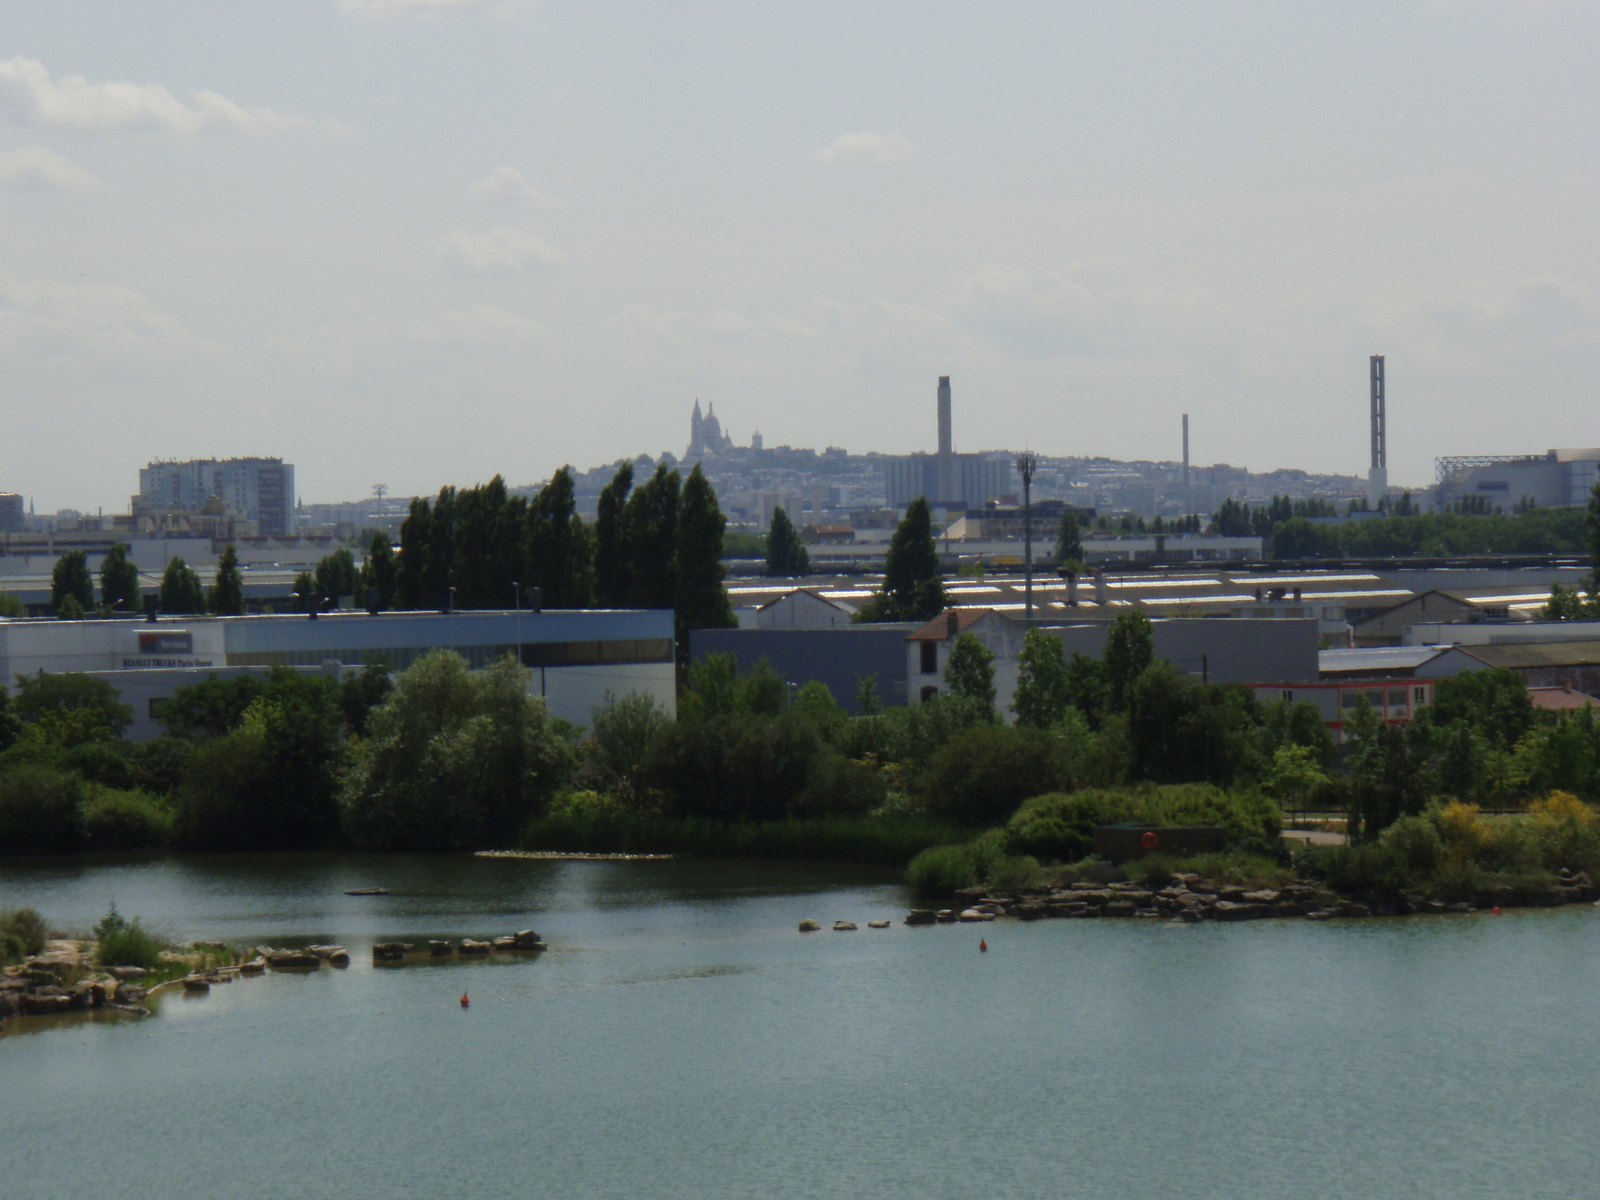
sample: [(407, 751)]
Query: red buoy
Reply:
[(1497, 910), (983, 945), (1148, 841), (464, 1001)]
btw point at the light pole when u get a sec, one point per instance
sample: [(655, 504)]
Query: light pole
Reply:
[(1027, 463)]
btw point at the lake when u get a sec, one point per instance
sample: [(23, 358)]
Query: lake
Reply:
[(681, 1039)]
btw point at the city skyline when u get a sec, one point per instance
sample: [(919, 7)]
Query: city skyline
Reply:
[(462, 239)]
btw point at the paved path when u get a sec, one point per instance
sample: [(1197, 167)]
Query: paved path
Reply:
[(1317, 837)]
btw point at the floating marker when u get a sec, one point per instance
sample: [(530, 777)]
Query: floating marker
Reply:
[(983, 945), (464, 1001), (1497, 910)]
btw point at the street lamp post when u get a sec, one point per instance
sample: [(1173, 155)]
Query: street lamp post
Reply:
[(1027, 463)]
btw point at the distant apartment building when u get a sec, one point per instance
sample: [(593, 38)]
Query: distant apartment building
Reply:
[(973, 479), (13, 513), (260, 490)]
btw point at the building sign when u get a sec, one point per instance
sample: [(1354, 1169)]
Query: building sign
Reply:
[(166, 643), (132, 664)]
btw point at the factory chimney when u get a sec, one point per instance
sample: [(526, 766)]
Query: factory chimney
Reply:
[(947, 461), (1378, 473), (1186, 463)]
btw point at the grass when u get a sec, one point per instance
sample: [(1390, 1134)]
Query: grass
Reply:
[(22, 932), (876, 842), (125, 943)]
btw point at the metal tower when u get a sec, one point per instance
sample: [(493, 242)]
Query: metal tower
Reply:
[(1378, 473)]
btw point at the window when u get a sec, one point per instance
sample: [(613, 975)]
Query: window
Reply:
[(1375, 697), (930, 658), (1419, 696), (1288, 694), (1397, 697)]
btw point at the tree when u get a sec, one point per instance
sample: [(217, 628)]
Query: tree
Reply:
[(1495, 702), (911, 588), (307, 595), (336, 574), (44, 695), (612, 577), (1069, 541), (1042, 696), (701, 598), (380, 573), (69, 579), (119, 580), (70, 610), (560, 549), (360, 693), (786, 555), (11, 606), (1130, 649), (1294, 776), (1593, 523), (1184, 731), (622, 732), (454, 759), (970, 669), (227, 593), (867, 704), (411, 577), (650, 532), (1232, 519), (181, 589)]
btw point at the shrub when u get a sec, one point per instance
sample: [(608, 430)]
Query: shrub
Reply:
[(39, 810), (107, 763), (129, 820), (838, 787), (984, 773), (1414, 843), (1061, 825), (941, 870), (121, 942), (22, 932)]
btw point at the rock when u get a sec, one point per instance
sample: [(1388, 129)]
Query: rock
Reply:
[(254, 967), (809, 926), (294, 960), (505, 943), (1460, 906), (1265, 896), (10, 1004), (1032, 910), (126, 972), (946, 915), (1229, 910), (1354, 910), (438, 949), (1233, 893), (877, 924), (527, 939), (1187, 915), (972, 894), (1289, 909), (970, 914), (394, 951), (196, 983), (844, 926), (1120, 908), (36, 1005), (474, 948), (1321, 914), (921, 916), (1084, 910), (1139, 897), (323, 952), (81, 994), (339, 958), (131, 994)]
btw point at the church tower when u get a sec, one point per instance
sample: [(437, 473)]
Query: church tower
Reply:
[(696, 426)]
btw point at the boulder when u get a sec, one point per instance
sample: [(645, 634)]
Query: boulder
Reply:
[(1030, 910), (10, 1004), (809, 926), (339, 958), (438, 949), (36, 1005), (527, 939), (945, 915), (1266, 896), (1354, 910), (294, 960), (505, 943), (1229, 910), (196, 983), (844, 926), (126, 972), (254, 967), (877, 924), (921, 916), (1287, 908), (393, 951), (469, 947), (971, 895), (970, 914), (131, 994), (1120, 908)]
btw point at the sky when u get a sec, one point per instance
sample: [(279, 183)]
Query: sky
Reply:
[(421, 242)]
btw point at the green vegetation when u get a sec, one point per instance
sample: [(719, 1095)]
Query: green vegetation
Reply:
[(911, 588), (12, 606), (786, 555), (70, 581), (181, 589), (124, 943), (22, 932), (226, 598), (119, 581)]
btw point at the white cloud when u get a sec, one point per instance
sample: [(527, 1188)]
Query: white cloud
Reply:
[(38, 169), (32, 97), (380, 10), (508, 183), (497, 251), (872, 147), (481, 323), (45, 323)]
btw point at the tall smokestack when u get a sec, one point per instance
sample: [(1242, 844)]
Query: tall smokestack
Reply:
[(1378, 473), (947, 461), (1186, 462)]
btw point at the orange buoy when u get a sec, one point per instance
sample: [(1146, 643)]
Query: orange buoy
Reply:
[(1497, 910), (464, 1001), (983, 945), (1149, 840)]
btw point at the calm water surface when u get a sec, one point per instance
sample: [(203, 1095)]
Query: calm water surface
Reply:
[(681, 1040)]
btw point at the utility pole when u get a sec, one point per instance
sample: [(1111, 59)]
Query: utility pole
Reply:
[(1027, 463)]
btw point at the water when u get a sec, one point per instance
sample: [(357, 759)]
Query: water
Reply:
[(680, 1039)]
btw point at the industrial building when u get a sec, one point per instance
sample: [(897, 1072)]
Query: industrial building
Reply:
[(949, 481), (261, 490), (576, 657), (1555, 479), (13, 514)]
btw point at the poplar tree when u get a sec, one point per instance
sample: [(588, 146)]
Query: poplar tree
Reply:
[(911, 588), (970, 669), (181, 590), (1043, 693), (650, 524), (559, 550), (1130, 648), (701, 600), (227, 592), (1069, 541), (380, 573), (70, 578), (786, 554), (612, 577), (411, 575), (119, 580)]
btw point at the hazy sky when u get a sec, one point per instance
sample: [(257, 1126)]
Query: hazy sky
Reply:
[(423, 241)]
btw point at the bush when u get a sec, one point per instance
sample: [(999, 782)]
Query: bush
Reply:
[(39, 810), (130, 820), (1414, 844), (124, 943), (734, 767), (943, 870), (984, 773), (108, 763), (22, 932), (837, 787), (1061, 825)]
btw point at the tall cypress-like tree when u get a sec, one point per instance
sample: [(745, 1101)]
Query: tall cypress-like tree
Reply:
[(380, 573), (438, 573), (650, 524), (181, 590), (482, 579), (1594, 542), (1069, 542), (70, 578), (612, 577), (411, 579), (1130, 648), (560, 556), (911, 587), (701, 600), (227, 592), (786, 554), (119, 580)]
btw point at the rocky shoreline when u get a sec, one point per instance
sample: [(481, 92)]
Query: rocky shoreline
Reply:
[(64, 979), (1188, 898)]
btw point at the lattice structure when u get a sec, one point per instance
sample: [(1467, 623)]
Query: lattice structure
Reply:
[(1453, 467)]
